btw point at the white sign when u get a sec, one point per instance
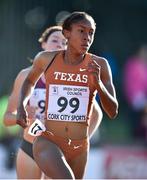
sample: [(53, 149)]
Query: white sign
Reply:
[(68, 103), (36, 128)]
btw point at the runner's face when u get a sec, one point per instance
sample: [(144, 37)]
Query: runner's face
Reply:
[(81, 36), (56, 41)]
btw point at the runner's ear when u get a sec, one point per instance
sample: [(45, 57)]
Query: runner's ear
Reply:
[(66, 33)]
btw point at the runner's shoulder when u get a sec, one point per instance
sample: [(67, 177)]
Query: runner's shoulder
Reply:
[(100, 60), (44, 57), (23, 73)]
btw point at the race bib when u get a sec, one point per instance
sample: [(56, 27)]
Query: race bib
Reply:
[(37, 101), (36, 128), (68, 103)]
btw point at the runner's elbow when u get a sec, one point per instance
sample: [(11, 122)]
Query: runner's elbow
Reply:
[(113, 113), (5, 120)]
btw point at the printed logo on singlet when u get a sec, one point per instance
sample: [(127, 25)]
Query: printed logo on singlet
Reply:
[(68, 103), (37, 100), (81, 69), (71, 77)]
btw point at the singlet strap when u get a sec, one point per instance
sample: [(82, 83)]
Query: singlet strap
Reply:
[(50, 63)]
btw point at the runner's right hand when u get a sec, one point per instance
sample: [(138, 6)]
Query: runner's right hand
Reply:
[(21, 118)]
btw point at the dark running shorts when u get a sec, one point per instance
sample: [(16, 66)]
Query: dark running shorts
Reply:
[(27, 148)]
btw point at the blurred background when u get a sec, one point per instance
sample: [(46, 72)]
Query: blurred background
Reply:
[(118, 148)]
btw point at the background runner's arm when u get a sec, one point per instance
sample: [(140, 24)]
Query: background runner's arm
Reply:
[(10, 114)]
